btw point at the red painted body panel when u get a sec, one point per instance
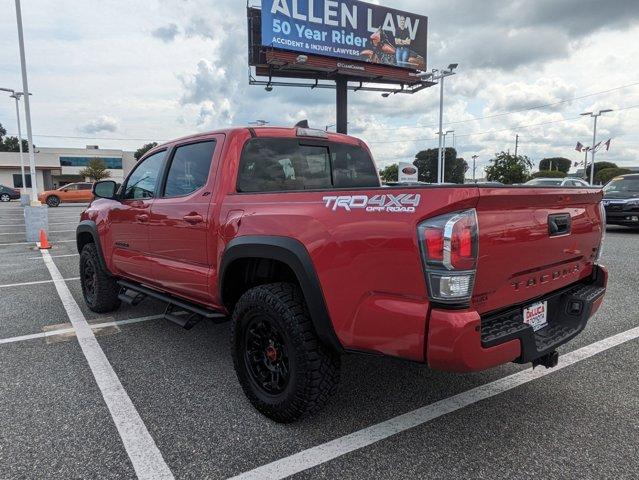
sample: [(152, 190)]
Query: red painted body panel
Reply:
[(368, 263)]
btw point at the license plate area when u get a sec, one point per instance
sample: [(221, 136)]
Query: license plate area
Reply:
[(536, 315)]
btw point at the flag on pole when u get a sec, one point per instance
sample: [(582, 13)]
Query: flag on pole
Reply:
[(596, 147), (607, 144), (579, 147)]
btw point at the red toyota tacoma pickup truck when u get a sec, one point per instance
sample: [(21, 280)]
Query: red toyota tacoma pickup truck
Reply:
[(288, 233)]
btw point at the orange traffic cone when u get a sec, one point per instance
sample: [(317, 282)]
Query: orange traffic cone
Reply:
[(44, 242)]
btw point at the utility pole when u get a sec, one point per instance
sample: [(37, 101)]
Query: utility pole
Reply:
[(594, 140), (586, 150), (36, 219), (516, 144), (434, 76), (27, 108), (475, 167)]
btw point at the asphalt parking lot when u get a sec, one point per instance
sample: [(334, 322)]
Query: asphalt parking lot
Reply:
[(390, 419)]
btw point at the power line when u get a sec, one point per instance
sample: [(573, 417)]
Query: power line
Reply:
[(510, 112), (508, 129)]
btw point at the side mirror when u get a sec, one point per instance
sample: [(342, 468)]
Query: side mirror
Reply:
[(105, 189)]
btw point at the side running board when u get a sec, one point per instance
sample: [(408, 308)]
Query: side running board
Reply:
[(179, 311)]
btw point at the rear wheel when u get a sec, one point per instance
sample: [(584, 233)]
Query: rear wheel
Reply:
[(280, 363), (99, 289), (5, 198), (53, 201)]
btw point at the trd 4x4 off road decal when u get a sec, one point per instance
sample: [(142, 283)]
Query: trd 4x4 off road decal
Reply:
[(402, 203)]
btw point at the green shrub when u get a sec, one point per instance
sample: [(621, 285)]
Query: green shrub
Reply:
[(549, 174)]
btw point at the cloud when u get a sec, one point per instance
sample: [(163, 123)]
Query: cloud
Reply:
[(520, 95), (199, 27), (104, 123), (203, 84), (166, 33)]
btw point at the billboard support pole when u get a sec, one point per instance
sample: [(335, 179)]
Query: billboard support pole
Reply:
[(341, 84)]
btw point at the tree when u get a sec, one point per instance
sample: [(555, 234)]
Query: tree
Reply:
[(600, 166), (454, 170), (508, 169), (11, 144), (556, 163), (389, 174), (96, 170), (139, 153), (604, 175), (549, 174)]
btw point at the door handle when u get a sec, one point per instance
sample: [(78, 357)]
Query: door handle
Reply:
[(193, 218), (143, 218)]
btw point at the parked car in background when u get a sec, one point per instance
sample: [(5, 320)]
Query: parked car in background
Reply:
[(621, 201), (72, 193), (7, 194), (557, 182)]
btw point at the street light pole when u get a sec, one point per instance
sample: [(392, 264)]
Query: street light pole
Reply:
[(16, 95), (594, 140), (443, 163), (27, 108), (474, 167), (434, 76)]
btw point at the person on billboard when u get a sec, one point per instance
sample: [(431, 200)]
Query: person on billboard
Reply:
[(402, 42)]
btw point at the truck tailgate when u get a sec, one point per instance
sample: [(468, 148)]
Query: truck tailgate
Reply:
[(533, 241)]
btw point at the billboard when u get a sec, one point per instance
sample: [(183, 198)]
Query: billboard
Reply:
[(346, 29), (407, 173)]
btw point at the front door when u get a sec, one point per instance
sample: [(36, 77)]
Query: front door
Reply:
[(129, 220), (181, 220)]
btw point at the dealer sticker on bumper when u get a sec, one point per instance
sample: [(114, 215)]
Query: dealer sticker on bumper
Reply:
[(536, 315)]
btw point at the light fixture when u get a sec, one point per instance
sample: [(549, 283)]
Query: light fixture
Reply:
[(453, 66)]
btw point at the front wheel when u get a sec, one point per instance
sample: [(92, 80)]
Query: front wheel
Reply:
[(5, 198), (53, 201), (282, 366), (99, 289)]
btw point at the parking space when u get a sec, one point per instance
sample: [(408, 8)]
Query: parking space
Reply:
[(577, 421)]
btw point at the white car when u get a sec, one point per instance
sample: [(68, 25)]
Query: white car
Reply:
[(557, 182)]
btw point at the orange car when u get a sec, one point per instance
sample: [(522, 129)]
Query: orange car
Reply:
[(71, 193)]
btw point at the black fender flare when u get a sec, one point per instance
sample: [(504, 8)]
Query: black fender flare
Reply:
[(89, 226), (292, 253)]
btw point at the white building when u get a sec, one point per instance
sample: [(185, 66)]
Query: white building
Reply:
[(56, 167)]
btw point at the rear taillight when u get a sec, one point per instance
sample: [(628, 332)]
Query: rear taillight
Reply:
[(602, 214), (449, 246)]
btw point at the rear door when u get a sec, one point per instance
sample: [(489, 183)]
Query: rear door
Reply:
[(180, 220), (129, 219), (533, 241), (85, 192)]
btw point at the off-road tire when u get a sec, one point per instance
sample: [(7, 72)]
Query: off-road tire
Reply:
[(314, 369), (53, 201), (100, 291), (5, 198)]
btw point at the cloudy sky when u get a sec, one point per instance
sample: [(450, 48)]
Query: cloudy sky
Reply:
[(120, 73)]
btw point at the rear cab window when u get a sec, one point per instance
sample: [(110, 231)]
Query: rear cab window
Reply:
[(286, 164)]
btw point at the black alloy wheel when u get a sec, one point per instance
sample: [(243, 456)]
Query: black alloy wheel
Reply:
[(266, 355)]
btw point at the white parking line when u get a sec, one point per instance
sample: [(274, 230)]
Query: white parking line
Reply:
[(10, 285), (51, 231), (33, 243), (23, 225), (55, 256), (138, 443), (325, 452), (94, 326)]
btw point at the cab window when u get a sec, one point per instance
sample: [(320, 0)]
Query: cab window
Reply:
[(189, 170), (142, 182)]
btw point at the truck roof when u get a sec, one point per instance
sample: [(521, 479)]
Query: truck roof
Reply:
[(263, 131)]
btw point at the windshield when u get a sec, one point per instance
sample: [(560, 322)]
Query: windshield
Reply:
[(544, 181), (620, 185)]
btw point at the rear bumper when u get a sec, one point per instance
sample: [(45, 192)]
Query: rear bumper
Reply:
[(463, 341)]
